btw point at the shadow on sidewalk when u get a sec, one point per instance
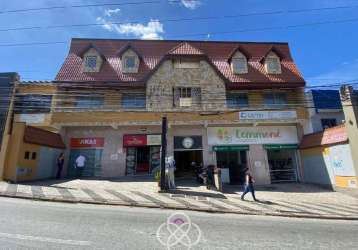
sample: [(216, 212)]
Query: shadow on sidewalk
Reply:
[(282, 188)]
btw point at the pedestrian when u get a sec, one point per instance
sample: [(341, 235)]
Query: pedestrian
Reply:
[(210, 177), (170, 169), (80, 165), (60, 162), (249, 185)]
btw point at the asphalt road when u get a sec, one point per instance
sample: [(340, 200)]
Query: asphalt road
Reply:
[(41, 225)]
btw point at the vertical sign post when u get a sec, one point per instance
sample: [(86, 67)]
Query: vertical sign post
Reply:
[(163, 185)]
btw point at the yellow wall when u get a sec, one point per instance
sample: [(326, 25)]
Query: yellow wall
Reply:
[(29, 164), (312, 151), (16, 139), (343, 181), (16, 153)]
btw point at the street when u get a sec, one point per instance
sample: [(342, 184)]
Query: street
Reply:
[(43, 225)]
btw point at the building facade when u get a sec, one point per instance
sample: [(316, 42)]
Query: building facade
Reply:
[(231, 104), (325, 110)]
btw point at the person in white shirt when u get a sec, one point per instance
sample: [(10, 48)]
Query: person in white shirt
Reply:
[(170, 168), (79, 165)]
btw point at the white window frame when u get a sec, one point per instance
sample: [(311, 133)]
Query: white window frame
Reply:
[(237, 59), (88, 58), (274, 59)]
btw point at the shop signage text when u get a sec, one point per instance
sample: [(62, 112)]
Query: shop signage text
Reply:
[(252, 135), (141, 140), (90, 142), (267, 115)]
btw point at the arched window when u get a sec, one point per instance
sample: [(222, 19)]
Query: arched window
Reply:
[(272, 64), (239, 63)]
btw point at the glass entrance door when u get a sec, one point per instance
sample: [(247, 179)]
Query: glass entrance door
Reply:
[(92, 166), (236, 161), (283, 165)]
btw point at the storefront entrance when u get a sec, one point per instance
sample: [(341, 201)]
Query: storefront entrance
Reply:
[(91, 149), (187, 149), (183, 161), (142, 153), (142, 160), (233, 158), (282, 160)]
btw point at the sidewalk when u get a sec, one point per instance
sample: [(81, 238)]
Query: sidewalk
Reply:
[(293, 200)]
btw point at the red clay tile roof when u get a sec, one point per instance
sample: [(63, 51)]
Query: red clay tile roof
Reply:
[(185, 49), (329, 136), (42, 137), (153, 52)]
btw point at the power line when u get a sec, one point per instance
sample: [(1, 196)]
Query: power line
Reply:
[(86, 6), (180, 19), (203, 34)]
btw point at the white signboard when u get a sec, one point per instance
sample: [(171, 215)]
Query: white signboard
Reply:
[(32, 118), (154, 140), (252, 135), (341, 160), (267, 115)]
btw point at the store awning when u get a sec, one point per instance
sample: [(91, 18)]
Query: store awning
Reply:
[(230, 148), (280, 146)]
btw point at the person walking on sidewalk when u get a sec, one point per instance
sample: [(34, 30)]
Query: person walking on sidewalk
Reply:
[(60, 162), (249, 185)]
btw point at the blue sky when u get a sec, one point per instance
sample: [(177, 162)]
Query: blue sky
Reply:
[(324, 54)]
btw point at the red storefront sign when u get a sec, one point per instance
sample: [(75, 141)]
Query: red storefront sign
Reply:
[(134, 140), (90, 142)]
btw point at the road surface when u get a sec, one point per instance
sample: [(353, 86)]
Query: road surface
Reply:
[(28, 224)]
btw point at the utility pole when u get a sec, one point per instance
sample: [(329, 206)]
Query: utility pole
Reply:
[(163, 185)]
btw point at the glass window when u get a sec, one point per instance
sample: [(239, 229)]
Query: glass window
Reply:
[(89, 102), (328, 123), (129, 62), (91, 62), (33, 104), (185, 92), (27, 155), (133, 101), (33, 156), (273, 65), (237, 100), (275, 100), (239, 65)]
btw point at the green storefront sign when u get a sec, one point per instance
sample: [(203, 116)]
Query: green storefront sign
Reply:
[(230, 148), (280, 146)]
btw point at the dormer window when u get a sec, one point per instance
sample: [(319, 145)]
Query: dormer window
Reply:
[(91, 62), (130, 61), (272, 64), (239, 63)]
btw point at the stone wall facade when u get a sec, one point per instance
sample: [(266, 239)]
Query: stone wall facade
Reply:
[(167, 77)]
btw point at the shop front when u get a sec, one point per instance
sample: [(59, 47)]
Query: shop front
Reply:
[(142, 153), (90, 150), (187, 150), (270, 152), (234, 159)]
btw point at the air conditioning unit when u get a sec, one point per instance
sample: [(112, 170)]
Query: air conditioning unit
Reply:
[(185, 102)]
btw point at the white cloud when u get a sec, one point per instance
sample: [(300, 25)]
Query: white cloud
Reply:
[(110, 12), (191, 4), (152, 30)]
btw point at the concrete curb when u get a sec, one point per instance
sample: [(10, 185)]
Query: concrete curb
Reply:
[(176, 207)]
